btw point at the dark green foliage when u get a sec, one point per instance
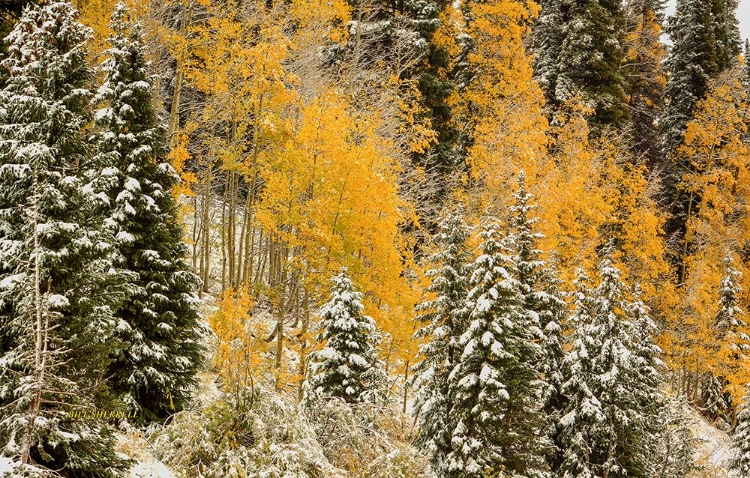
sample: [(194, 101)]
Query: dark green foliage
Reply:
[(644, 74), (59, 286), (443, 321), (579, 52), (495, 386), (347, 367), (155, 370)]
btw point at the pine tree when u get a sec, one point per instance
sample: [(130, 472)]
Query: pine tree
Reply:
[(494, 387), (155, 371), (58, 284), (347, 367), (443, 321), (741, 439), (579, 51), (611, 384), (746, 69)]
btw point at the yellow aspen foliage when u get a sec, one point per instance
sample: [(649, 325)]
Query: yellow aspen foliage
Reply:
[(718, 177), (331, 193), (572, 205), (591, 192), (178, 157), (501, 104), (240, 340), (715, 152), (96, 14)]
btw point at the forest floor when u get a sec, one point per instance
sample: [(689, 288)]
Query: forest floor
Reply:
[(713, 447)]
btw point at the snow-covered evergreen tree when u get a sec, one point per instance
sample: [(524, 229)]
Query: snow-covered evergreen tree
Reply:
[(495, 386), (542, 300), (726, 29), (347, 366), (579, 51), (155, 370), (716, 403), (674, 445), (728, 319), (646, 374), (705, 42), (443, 321), (611, 377), (741, 439), (643, 69), (58, 285)]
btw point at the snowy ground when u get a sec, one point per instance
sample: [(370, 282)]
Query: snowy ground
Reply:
[(133, 444), (713, 450), (5, 465)]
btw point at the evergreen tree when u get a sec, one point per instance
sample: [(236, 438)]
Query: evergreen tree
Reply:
[(58, 284), (436, 84), (674, 444), (706, 41), (10, 12), (731, 344), (611, 384), (539, 288), (746, 69), (579, 51), (494, 387), (741, 440), (644, 55), (726, 32), (155, 370), (348, 366), (443, 321), (690, 63), (647, 370)]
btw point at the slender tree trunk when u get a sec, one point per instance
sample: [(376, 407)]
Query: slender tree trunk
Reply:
[(303, 348), (41, 326)]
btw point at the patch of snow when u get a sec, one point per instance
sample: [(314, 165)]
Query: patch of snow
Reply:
[(58, 301), (150, 469), (714, 447), (6, 465)]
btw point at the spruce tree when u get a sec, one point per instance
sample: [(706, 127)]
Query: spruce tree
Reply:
[(611, 384), (690, 64), (495, 387), (155, 370), (726, 32), (644, 56), (541, 296), (578, 48), (443, 321), (741, 439), (647, 369), (715, 401), (347, 367), (59, 286), (10, 12)]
